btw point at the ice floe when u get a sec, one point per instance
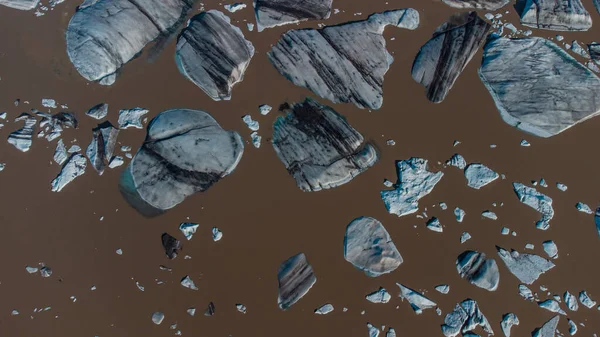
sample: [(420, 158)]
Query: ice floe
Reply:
[(478, 270), (272, 13), (552, 306), (158, 317), (434, 224), (102, 146), (73, 168), (508, 321), (131, 118), (479, 175), (216, 234), (443, 288), (417, 301), (98, 111), (379, 296), (526, 267), (536, 200), (550, 249), (548, 14), (21, 139), (187, 282), (171, 245), (465, 317), (548, 329), (60, 154), (188, 229), (296, 277), (584, 208), (324, 310), (457, 161), (459, 214), (586, 300), (464, 237)]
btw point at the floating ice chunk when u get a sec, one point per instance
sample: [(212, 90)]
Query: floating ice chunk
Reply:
[(443, 288), (74, 148), (489, 16), (250, 26), (116, 161), (526, 144), (131, 118), (216, 234), (373, 331), (577, 49), (31, 270), (49, 103), (597, 220), (101, 148), (158, 317), (60, 154), (188, 229), (241, 308), (21, 139), (390, 142), (324, 309), (505, 231), (571, 301), (552, 306), (479, 175), (252, 124), (559, 38), (74, 168), (465, 317), (235, 7), (210, 310), (434, 225), (264, 109), (191, 312), (98, 111), (457, 161), (187, 282), (119, 251), (443, 206), (295, 277), (550, 249), (572, 327), (561, 186), (529, 246), (139, 286), (543, 182), (387, 183), (418, 302), (490, 215), (585, 299), (536, 200), (465, 236), (256, 139), (391, 333), (414, 183), (171, 245), (379, 296), (45, 271), (508, 321), (548, 329), (526, 267), (584, 208), (369, 247), (459, 214), (475, 268), (525, 292)]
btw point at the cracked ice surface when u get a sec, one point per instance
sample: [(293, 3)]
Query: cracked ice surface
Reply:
[(538, 201)]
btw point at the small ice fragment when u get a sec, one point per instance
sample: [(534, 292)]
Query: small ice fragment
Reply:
[(508, 320), (264, 108), (119, 251), (443, 288), (479, 175), (60, 154), (525, 143), (390, 142), (511, 27), (128, 155), (465, 317), (173, 326), (585, 299), (417, 301), (552, 306), (31, 270), (74, 168), (387, 183), (391, 333), (125, 148), (45, 271), (74, 148), (505, 231), (572, 327), (379, 296), (434, 225), (536, 200), (241, 308), (188, 229), (3, 115), (455, 143), (584, 208), (250, 26), (256, 139), (49, 103), (252, 124), (457, 161), (98, 111), (577, 49), (443, 206), (490, 215), (217, 234), (210, 310), (158, 317), (324, 310), (187, 282), (464, 237), (235, 7), (550, 249), (171, 245), (489, 16), (191, 312), (529, 246), (14, 312), (21, 138), (571, 301), (139, 286), (459, 214), (116, 161), (559, 38), (373, 331), (561, 187), (131, 118)]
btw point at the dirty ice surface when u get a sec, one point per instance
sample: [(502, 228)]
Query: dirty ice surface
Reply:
[(459, 214), (552, 306), (477, 269), (571, 301), (324, 310), (434, 225), (414, 182)]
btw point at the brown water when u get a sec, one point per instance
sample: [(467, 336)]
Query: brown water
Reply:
[(265, 218)]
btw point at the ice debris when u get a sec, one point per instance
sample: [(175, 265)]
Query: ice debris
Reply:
[(525, 292), (443, 288), (252, 124), (379, 296), (490, 215), (434, 224), (74, 167), (232, 8), (526, 267), (478, 270), (459, 214), (464, 237), (187, 282), (585, 299), (102, 146), (256, 139), (550, 249), (264, 109), (188, 229), (131, 118), (457, 161), (538, 201), (296, 277), (572, 327), (171, 245), (525, 144), (508, 321), (241, 308), (465, 317), (479, 175), (418, 302), (584, 208), (552, 306), (216, 234), (324, 309), (272, 13), (373, 331), (561, 186), (21, 139), (60, 154)]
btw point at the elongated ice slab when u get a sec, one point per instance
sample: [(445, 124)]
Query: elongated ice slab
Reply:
[(24, 5), (369, 247), (552, 306), (457, 161), (526, 267), (324, 310), (571, 301), (490, 215), (565, 15), (536, 200), (21, 139), (60, 154), (584, 208), (478, 270), (526, 293), (443, 288), (459, 214), (418, 302), (479, 175), (74, 168), (414, 182), (550, 248), (296, 277), (434, 224)]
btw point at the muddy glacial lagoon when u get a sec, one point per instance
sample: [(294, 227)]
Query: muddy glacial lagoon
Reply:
[(299, 168)]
